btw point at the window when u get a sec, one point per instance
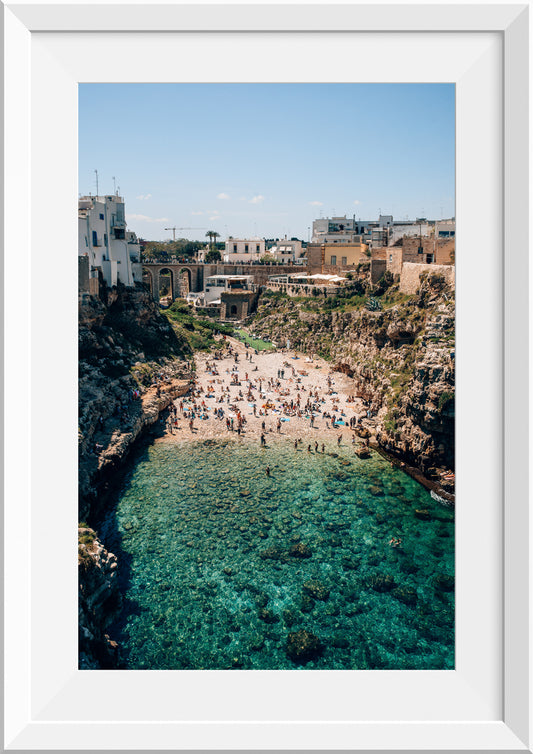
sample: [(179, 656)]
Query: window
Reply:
[(344, 260), (246, 248), (257, 248), (105, 239), (390, 257), (86, 241), (95, 238), (333, 259), (101, 216), (234, 248)]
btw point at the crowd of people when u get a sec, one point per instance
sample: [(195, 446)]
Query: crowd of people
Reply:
[(265, 394)]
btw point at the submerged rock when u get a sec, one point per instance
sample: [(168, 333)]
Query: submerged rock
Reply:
[(289, 617), (316, 589), (444, 582), (306, 603), (382, 583), (300, 550), (272, 553), (268, 616), (407, 595), (303, 646)]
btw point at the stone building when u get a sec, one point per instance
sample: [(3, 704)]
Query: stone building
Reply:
[(237, 305), (335, 257), (428, 250)]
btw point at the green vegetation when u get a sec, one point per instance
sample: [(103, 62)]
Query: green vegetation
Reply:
[(258, 344), (394, 298), (390, 421), (212, 235), (198, 331), (444, 399), (213, 255), (86, 540), (182, 249)]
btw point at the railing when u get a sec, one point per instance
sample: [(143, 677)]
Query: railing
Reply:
[(304, 289)]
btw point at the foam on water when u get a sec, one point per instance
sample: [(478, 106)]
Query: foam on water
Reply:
[(203, 537)]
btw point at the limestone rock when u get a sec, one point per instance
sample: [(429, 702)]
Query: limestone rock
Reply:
[(303, 646), (316, 589)]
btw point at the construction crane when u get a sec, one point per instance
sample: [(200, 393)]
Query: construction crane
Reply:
[(175, 229)]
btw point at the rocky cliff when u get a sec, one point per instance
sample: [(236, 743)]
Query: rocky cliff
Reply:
[(131, 365), (99, 601), (400, 356)]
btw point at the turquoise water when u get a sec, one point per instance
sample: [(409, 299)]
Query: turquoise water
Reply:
[(221, 565)]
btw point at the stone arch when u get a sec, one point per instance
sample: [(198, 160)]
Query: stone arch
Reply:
[(233, 311), (148, 279), (184, 282), (165, 284)]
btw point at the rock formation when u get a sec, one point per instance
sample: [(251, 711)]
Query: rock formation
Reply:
[(99, 601), (401, 359), (131, 365)]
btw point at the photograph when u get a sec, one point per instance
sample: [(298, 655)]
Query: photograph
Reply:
[(266, 391)]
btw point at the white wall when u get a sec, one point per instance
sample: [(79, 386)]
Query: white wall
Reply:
[(235, 250), (112, 255)]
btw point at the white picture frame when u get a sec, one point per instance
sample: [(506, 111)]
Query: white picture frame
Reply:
[(485, 704)]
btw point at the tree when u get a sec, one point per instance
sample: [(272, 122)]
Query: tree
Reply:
[(212, 235), (213, 255)]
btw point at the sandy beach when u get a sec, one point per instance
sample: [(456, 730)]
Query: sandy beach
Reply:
[(268, 380)]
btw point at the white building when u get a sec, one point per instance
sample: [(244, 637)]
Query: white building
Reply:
[(244, 250), (347, 229), (216, 285), (410, 229), (286, 251), (103, 237)]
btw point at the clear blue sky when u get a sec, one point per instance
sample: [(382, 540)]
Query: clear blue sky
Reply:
[(268, 159)]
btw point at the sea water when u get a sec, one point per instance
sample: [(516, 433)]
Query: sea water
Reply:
[(220, 563)]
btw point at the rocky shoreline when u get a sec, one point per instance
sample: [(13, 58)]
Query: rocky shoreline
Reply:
[(132, 365)]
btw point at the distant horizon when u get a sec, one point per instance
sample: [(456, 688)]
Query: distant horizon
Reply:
[(266, 160)]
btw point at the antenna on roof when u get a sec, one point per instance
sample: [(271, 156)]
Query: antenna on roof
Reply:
[(96, 174), (114, 185)]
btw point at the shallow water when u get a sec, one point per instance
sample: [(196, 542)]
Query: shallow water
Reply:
[(204, 541)]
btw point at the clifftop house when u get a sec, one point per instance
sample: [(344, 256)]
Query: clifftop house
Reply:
[(104, 243)]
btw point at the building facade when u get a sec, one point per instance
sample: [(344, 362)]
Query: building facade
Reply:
[(103, 237), (445, 228), (427, 250), (244, 250), (287, 252), (348, 230)]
